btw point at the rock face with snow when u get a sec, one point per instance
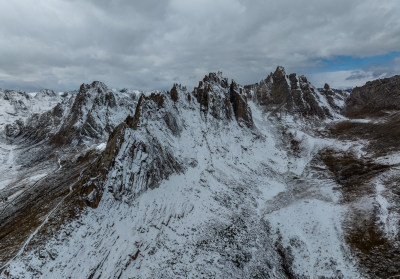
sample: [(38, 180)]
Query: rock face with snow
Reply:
[(374, 97), (89, 115), (293, 94), (17, 106), (224, 181), (149, 159), (219, 99), (40, 160), (95, 112)]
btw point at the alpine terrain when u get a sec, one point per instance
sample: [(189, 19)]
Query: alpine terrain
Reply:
[(276, 179)]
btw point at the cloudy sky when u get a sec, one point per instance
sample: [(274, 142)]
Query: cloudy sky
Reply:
[(151, 44)]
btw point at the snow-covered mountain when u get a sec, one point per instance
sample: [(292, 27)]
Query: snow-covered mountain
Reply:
[(86, 116), (296, 95), (17, 106), (270, 180)]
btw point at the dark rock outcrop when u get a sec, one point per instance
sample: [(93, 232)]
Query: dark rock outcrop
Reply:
[(174, 93), (14, 129), (290, 93), (221, 100), (374, 98), (239, 104), (211, 94)]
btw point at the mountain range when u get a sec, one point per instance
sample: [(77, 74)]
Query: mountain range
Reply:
[(276, 179)]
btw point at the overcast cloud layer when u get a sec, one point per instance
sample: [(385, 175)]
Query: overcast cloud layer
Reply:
[(151, 44)]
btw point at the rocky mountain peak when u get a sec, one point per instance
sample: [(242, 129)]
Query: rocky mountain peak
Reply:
[(374, 98), (303, 79), (94, 113), (215, 79), (46, 93), (215, 98), (279, 73), (94, 86), (176, 92), (222, 100), (291, 93)]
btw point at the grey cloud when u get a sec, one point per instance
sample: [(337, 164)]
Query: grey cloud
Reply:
[(148, 44), (357, 75), (384, 70)]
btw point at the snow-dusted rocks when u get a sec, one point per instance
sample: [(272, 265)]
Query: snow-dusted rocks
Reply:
[(135, 159), (19, 106), (13, 130), (289, 93), (261, 181), (82, 117), (141, 151), (41, 158), (95, 111)]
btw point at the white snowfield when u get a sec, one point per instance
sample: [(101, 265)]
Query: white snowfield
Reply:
[(244, 205)]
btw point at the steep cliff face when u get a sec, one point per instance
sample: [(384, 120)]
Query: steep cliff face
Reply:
[(219, 99), (95, 112), (295, 95), (335, 97), (239, 104), (374, 98), (141, 151)]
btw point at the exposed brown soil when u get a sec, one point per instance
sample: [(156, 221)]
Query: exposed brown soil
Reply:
[(352, 173), (383, 136), (31, 208), (377, 254)]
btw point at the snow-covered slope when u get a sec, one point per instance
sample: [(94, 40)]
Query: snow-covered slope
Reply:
[(221, 182), (18, 106), (39, 162), (34, 123)]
